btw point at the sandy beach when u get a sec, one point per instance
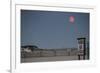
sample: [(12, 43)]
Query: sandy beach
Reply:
[(46, 59)]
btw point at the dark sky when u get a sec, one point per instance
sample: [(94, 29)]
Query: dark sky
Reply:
[(51, 29)]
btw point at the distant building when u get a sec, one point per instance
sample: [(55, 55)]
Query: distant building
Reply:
[(28, 48)]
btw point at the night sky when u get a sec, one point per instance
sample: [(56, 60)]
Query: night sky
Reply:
[(51, 29)]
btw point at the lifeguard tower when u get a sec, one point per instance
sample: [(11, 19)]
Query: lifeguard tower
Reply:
[(81, 48)]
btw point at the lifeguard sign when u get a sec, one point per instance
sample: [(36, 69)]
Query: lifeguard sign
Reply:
[(81, 47)]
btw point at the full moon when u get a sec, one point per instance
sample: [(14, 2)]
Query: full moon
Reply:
[(71, 19)]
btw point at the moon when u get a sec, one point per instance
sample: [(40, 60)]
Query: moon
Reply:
[(71, 19)]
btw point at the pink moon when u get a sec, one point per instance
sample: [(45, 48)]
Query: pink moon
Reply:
[(71, 19)]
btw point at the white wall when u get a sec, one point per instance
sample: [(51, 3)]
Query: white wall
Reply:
[(5, 36)]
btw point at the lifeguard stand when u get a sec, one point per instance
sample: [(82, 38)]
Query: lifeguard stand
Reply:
[(81, 48)]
